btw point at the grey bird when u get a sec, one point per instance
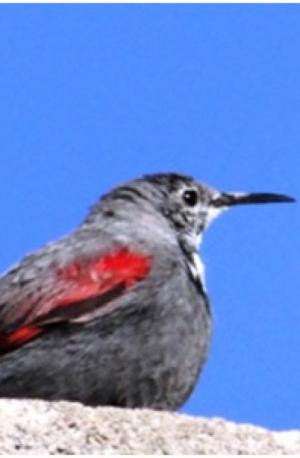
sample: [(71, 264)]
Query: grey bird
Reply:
[(116, 313)]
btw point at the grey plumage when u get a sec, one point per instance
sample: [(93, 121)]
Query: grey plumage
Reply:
[(143, 345)]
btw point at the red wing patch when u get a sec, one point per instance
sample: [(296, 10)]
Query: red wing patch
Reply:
[(18, 337), (97, 276), (79, 281)]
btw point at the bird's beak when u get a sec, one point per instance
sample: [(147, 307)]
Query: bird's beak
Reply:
[(229, 199)]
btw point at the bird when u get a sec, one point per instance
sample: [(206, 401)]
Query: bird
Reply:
[(116, 313)]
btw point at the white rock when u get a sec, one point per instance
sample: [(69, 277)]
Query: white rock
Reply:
[(38, 427)]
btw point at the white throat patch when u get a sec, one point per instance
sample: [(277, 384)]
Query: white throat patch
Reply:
[(213, 213), (197, 269), (196, 265)]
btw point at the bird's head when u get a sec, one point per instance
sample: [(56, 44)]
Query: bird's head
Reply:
[(187, 205), (191, 206)]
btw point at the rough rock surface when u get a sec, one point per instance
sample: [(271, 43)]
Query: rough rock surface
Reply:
[(32, 427)]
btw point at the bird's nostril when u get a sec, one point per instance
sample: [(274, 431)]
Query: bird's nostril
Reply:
[(222, 200), (216, 202)]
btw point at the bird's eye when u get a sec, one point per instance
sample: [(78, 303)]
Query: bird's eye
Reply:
[(190, 197)]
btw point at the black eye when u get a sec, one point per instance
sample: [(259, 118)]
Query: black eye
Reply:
[(190, 197)]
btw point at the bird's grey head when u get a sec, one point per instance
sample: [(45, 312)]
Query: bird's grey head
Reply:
[(191, 206), (188, 205)]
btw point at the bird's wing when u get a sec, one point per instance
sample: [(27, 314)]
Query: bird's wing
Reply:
[(73, 293)]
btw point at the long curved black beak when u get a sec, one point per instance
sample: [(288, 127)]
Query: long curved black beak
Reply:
[(229, 199)]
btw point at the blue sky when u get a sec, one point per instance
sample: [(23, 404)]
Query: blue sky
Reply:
[(97, 94)]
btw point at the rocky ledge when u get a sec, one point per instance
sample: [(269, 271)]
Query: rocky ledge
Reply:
[(38, 427)]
